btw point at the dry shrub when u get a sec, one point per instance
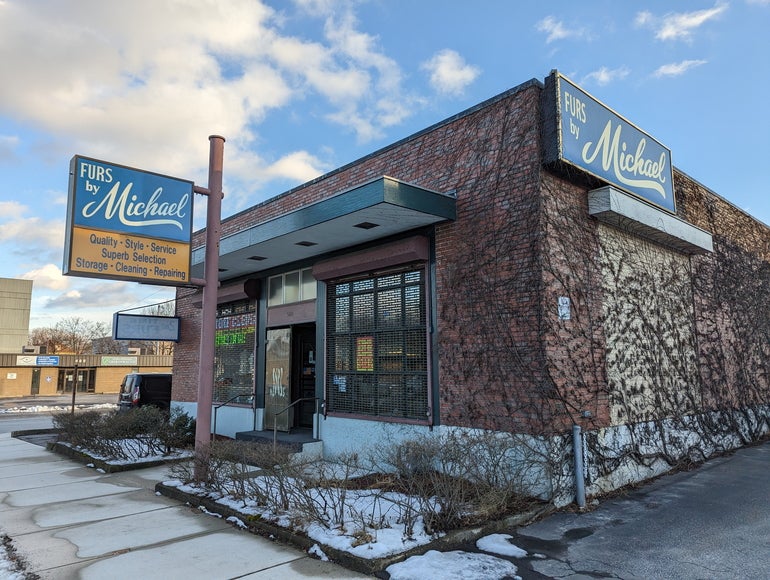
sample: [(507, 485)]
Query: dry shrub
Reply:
[(139, 433)]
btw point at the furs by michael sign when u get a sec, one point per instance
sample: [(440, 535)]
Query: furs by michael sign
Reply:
[(127, 224), (597, 140)]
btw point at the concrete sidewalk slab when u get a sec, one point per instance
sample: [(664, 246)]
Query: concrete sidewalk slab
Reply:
[(18, 468), (59, 492), (47, 479), (16, 450), (69, 521), (228, 554)]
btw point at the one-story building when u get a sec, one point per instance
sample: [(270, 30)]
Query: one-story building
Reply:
[(531, 264), (35, 374)]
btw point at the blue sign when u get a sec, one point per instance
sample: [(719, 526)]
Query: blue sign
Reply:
[(602, 143), (47, 361), (126, 224), (120, 199)]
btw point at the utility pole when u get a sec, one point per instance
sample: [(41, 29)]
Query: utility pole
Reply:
[(210, 285)]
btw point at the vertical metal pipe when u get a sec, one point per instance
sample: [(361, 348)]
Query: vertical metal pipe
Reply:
[(577, 446), (209, 314), (74, 386)]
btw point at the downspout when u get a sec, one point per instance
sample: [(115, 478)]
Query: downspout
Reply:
[(577, 445)]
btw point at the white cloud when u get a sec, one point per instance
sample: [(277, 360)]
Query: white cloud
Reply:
[(449, 73), (146, 82), (676, 69), (680, 25), (29, 235), (94, 296), (298, 165), (556, 30), (8, 145), (48, 276), (604, 75), (11, 210)]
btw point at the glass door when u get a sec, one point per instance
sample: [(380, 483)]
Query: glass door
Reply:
[(277, 371)]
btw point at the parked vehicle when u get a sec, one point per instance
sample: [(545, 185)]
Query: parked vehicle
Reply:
[(138, 389)]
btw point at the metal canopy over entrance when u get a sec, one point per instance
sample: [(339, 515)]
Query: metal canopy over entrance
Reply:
[(371, 211)]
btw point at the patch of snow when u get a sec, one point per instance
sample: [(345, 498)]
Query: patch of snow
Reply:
[(371, 525), (456, 565), (236, 521), (8, 568), (315, 550), (208, 513), (500, 544), (53, 408)]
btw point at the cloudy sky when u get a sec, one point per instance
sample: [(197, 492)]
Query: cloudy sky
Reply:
[(301, 87)]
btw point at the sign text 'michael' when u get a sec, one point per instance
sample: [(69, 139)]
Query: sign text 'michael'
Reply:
[(127, 224), (600, 142)]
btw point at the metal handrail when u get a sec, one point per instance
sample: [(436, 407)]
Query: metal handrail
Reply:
[(230, 400), (284, 410)]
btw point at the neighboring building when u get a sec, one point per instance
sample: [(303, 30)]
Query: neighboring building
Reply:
[(477, 276), (36, 374), (15, 304), (26, 370)]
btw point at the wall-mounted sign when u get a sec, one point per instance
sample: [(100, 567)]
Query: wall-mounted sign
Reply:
[(139, 327), (583, 132), (127, 224), (119, 361), (37, 361)]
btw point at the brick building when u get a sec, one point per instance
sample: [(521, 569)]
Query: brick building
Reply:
[(490, 273)]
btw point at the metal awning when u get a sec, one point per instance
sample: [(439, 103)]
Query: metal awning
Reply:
[(371, 211)]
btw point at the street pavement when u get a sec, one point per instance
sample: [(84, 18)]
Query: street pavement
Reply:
[(70, 521), (712, 522)]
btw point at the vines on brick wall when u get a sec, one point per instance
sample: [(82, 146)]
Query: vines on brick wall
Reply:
[(664, 358)]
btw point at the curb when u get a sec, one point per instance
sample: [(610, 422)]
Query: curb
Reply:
[(103, 464), (373, 567)]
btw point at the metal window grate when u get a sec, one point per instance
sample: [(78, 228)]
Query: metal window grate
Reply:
[(377, 346)]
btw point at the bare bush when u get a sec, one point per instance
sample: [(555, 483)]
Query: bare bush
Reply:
[(139, 433), (459, 477)]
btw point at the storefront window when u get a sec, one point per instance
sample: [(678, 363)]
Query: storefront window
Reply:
[(234, 357), (291, 287), (377, 346)]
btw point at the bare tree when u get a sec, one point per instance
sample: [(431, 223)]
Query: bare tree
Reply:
[(73, 335)]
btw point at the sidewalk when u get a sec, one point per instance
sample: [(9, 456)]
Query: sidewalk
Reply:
[(70, 521)]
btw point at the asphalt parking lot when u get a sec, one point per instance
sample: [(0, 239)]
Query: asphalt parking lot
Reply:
[(712, 522)]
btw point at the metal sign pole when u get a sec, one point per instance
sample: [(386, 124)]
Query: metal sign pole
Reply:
[(209, 314)]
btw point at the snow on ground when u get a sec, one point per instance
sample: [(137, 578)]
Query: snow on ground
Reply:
[(358, 536), (54, 408), (8, 570), (463, 565), (456, 565), (372, 527), (500, 544)]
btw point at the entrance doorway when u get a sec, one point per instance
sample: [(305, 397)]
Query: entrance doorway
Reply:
[(86, 380), (290, 359), (303, 373), (35, 390)]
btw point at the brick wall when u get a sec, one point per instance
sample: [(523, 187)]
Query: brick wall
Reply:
[(574, 386), (731, 292), (522, 240), (489, 157)]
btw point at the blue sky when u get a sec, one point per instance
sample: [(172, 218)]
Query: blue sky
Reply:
[(301, 87)]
